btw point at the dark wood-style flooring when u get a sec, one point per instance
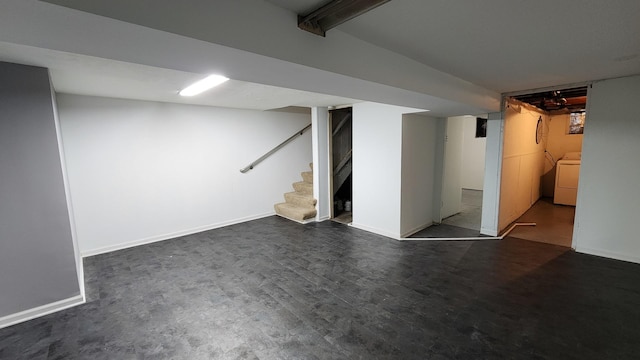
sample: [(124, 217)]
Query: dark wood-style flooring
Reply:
[(274, 289)]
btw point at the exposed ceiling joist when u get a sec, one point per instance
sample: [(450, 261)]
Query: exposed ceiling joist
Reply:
[(335, 13), (572, 99)]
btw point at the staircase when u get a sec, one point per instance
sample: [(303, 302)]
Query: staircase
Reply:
[(299, 205), (341, 140)]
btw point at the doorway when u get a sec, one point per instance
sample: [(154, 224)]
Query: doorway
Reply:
[(543, 134), (341, 164), (460, 210)]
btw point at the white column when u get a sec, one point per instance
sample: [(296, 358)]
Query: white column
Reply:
[(321, 165), (493, 172)]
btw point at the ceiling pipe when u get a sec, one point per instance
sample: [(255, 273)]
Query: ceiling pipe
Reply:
[(335, 13)]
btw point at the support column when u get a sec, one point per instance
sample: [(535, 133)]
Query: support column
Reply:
[(39, 259), (321, 164), (492, 175)]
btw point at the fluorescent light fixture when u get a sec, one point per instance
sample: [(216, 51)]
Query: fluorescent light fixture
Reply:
[(203, 85)]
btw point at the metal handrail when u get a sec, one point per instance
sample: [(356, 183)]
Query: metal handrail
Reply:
[(269, 153)]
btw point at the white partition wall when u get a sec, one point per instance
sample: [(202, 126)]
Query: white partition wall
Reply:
[(321, 164), (608, 205), (145, 171), (522, 163), (452, 171), (473, 155), (419, 172), (377, 152), (492, 175), (377, 167)]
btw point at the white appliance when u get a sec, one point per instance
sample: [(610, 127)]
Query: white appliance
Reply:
[(567, 174)]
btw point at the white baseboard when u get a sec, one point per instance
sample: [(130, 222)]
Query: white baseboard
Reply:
[(41, 311), (608, 254), (487, 231), (406, 234), (152, 239), (375, 231)]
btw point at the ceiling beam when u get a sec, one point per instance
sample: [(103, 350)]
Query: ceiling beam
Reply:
[(335, 13)]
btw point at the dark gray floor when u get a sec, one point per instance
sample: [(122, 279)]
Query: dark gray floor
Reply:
[(554, 223), (274, 289), (470, 214), (447, 231)]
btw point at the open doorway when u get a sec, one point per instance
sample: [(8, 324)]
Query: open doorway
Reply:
[(341, 164), (543, 134), (462, 179), (464, 148)]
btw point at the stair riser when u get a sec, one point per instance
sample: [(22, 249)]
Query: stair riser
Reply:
[(299, 214), (303, 187), (300, 205), (297, 199), (307, 176)]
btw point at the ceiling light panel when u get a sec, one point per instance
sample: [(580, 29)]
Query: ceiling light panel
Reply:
[(203, 85)]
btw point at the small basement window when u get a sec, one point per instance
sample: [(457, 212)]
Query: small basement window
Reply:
[(481, 127), (576, 122)]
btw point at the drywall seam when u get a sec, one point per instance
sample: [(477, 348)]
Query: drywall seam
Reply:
[(41, 311), (173, 235)]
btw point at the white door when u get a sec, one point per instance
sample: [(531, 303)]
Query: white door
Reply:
[(452, 173)]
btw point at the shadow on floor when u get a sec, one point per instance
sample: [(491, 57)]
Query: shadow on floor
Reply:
[(447, 231), (470, 214), (345, 217), (554, 223), (465, 224)]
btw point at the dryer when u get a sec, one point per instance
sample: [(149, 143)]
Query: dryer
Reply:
[(567, 175)]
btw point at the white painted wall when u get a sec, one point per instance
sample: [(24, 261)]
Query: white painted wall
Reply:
[(144, 171), (377, 153), (438, 180), (377, 166), (321, 164), (608, 204), (522, 163), (493, 174), (452, 176), (473, 155), (558, 140), (419, 138)]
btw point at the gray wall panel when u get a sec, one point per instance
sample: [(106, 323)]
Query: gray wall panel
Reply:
[(37, 261)]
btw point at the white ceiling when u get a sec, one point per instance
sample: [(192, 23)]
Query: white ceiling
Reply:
[(93, 76), (451, 57), (505, 45)]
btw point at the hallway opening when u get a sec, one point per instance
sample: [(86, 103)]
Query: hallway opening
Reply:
[(543, 135)]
